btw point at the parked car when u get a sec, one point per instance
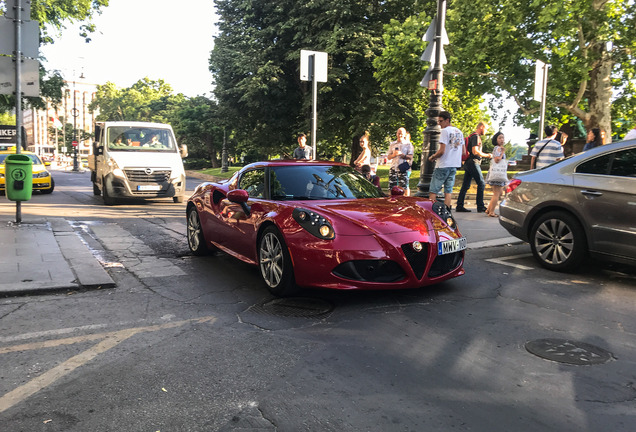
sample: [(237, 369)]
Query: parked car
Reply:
[(583, 205), (321, 224), (42, 178)]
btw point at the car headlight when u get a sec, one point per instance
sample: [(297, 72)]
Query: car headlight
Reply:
[(442, 211), (314, 223), (42, 174), (117, 172)]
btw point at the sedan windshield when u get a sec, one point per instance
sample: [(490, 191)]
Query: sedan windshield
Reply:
[(320, 182)]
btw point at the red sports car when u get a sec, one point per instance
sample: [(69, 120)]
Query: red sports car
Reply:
[(322, 224)]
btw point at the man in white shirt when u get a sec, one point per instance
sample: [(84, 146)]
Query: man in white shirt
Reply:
[(546, 151), (448, 158)]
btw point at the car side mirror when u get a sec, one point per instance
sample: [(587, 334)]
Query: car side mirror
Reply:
[(240, 196)]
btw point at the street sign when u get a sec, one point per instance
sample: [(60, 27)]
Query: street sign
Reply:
[(320, 67), (11, 6), (30, 76), (74, 143), (540, 73), (30, 41)]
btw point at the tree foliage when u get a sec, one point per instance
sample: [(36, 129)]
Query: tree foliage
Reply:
[(53, 16), (589, 45), (256, 59), (146, 100)]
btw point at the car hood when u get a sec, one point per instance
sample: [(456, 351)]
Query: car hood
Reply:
[(380, 216)]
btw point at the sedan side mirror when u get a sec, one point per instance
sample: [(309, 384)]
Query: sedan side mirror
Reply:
[(397, 191)]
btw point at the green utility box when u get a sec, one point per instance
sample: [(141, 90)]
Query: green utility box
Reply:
[(18, 173)]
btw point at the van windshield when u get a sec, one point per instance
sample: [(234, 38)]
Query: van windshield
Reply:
[(126, 138)]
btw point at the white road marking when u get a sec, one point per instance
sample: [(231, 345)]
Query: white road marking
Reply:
[(109, 340), (503, 261)]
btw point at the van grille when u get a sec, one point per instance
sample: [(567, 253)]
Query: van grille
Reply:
[(140, 176)]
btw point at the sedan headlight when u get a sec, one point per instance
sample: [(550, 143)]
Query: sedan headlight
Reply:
[(314, 223), (42, 174)]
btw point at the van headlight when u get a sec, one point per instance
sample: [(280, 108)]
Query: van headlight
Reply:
[(117, 172)]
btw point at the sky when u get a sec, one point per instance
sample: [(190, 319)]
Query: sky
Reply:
[(158, 39)]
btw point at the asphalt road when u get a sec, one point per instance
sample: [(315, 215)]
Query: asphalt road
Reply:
[(185, 343)]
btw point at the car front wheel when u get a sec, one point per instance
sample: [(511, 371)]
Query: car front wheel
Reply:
[(275, 263), (558, 241), (196, 240)]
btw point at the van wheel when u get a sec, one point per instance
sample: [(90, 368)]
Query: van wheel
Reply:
[(96, 190), (178, 198), (108, 200)]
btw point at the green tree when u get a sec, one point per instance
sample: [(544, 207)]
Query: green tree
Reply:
[(53, 16), (589, 44), (196, 124), (256, 59), (145, 100)]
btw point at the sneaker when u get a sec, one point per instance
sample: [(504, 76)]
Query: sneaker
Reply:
[(462, 209), (481, 210)]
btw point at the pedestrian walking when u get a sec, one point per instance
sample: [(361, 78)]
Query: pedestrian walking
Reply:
[(496, 179), (303, 151), (472, 170), (546, 151), (447, 158), (400, 154)]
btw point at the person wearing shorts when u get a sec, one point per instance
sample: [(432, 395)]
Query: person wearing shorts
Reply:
[(447, 159)]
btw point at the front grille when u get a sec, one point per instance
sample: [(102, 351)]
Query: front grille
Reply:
[(370, 271), (444, 264), (140, 176), (417, 260)]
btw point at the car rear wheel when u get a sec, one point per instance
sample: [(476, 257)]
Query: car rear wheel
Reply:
[(558, 241), (275, 263), (196, 240)]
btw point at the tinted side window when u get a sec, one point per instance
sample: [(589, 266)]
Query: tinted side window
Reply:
[(599, 165), (254, 183), (624, 163)]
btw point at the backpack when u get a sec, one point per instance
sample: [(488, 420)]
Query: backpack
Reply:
[(466, 153)]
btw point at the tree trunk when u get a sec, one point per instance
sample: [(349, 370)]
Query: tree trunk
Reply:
[(600, 94)]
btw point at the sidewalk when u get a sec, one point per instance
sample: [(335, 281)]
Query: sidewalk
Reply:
[(46, 255)]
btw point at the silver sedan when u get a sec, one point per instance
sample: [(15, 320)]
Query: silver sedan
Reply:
[(584, 205)]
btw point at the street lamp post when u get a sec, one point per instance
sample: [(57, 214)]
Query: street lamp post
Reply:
[(74, 113), (433, 131)]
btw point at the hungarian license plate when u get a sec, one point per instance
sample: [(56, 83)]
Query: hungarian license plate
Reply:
[(148, 187), (450, 246)]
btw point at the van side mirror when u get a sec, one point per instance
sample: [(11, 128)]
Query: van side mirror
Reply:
[(99, 150), (183, 150)]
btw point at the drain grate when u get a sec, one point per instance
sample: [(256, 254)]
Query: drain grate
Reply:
[(297, 307), (570, 352)]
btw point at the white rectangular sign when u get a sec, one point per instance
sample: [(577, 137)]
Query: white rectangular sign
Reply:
[(30, 39), (539, 73), (29, 78), (320, 65)]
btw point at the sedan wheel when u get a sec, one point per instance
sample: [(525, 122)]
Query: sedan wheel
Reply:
[(275, 263), (196, 240), (558, 241)]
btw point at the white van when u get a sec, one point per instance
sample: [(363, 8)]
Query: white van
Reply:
[(137, 160)]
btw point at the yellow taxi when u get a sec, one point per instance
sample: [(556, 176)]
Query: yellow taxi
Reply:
[(42, 178)]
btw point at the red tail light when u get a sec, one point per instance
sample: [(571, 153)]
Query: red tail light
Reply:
[(512, 185)]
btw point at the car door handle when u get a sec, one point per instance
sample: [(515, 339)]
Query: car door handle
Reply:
[(591, 194)]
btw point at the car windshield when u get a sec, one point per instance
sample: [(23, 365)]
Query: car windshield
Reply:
[(320, 182), (36, 160), (122, 138)]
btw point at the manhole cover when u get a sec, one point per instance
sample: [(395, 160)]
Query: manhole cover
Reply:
[(570, 352), (296, 307)]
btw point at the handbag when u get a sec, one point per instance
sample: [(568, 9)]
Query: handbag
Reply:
[(498, 171), (404, 166)]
